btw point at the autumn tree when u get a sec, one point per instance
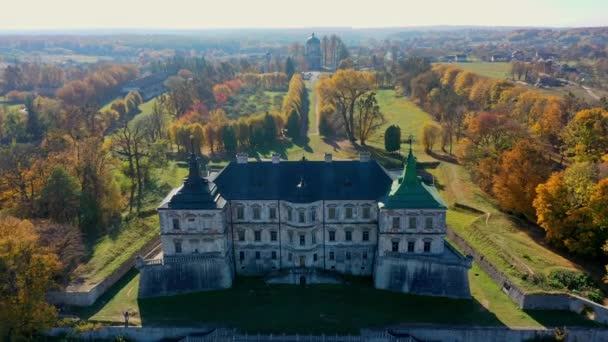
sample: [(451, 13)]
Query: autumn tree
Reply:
[(369, 117), (27, 274), (521, 170), (587, 134), (342, 91), (60, 196), (431, 133)]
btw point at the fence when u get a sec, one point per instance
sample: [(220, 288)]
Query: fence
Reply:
[(88, 296)]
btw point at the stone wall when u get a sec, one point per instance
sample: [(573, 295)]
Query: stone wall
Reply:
[(182, 276), (304, 276), (422, 276), (404, 333), (88, 296), (535, 300)]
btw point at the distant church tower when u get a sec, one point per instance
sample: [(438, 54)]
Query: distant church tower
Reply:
[(313, 53)]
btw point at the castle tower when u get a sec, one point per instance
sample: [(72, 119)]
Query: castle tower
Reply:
[(196, 240), (413, 256)]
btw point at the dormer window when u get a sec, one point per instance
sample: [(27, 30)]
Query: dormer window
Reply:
[(175, 224)]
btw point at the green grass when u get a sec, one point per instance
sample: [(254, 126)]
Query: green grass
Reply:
[(255, 307), (499, 70)]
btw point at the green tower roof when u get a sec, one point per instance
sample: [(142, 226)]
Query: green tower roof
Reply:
[(410, 192)]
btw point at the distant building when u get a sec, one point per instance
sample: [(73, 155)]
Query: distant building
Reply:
[(312, 52), (499, 58), (148, 86), (301, 222), (456, 58), (517, 55), (546, 56)]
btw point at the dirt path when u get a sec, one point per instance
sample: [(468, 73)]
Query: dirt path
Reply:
[(312, 83)]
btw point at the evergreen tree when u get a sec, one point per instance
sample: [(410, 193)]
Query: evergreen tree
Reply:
[(33, 127), (392, 138), (293, 125), (270, 129), (290, 68)]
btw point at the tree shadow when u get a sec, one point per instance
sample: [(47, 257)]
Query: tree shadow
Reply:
[(331, 142), (443, 157)]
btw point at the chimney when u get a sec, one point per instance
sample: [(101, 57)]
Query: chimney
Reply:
[(328, 157), (241, 158), (364, 157), (276, 158)]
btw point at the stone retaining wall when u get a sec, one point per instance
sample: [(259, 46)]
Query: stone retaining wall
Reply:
[(402, 333), (88, 296), (535, 300)]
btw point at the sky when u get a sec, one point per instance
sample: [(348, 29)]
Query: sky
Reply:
[(203, 14)]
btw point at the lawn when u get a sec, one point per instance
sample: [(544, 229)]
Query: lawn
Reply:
[(499, 70), (254, 306)]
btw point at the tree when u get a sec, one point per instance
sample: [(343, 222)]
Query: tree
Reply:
[(369, 117), (60, 196), (290, 68), (229, 139), (587, 134), (431, 133), (65, 241), (342, 91), (27, 274), (521, 170), (270, 129), (293, 125), (392, 138), (34, 126)]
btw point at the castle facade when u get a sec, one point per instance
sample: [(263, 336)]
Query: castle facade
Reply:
[(302, 222)]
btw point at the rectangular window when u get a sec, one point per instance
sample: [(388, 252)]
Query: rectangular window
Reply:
[(289, 214), (289, 257), (178, 247), (367, 213), (241, 255), (241, 235), (411, 245), (332, 255), (176, 224), (301, 216), (348, 235), (348, 213), (396, 223), (313, 215), (240, 213), (302, 240), (257, 213), (395, 246), (191, 219), (314, 257), (257, 255), (364, 255), (347, 255), (412, 222), (273, 236), (274, 255), (427, 246), (331, 213), (290, 237), (272, 213), (257, 235), (428, 223), (313, 238), (332, 235), (366, 236)]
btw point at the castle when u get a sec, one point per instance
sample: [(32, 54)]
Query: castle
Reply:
[(312, 52), (301, 222)]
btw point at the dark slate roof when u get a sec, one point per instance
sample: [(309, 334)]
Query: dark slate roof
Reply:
[(303, 181), (313, 40), (196, 193)]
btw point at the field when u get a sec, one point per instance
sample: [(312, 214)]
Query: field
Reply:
[(255, 307)]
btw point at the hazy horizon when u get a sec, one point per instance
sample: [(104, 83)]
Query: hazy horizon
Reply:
[(190, 15)]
